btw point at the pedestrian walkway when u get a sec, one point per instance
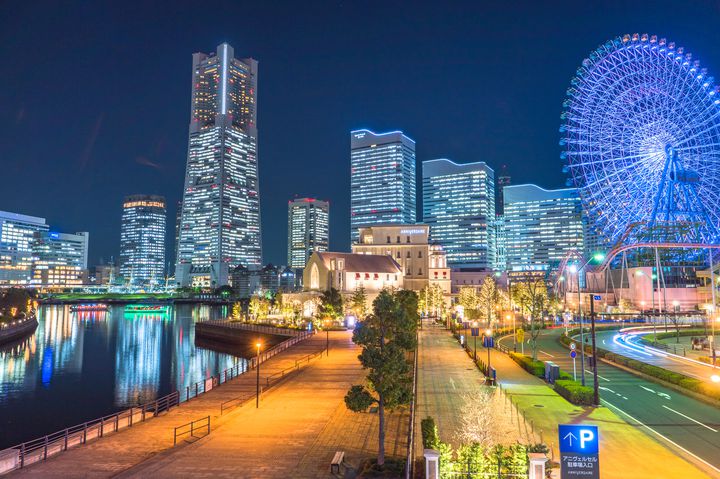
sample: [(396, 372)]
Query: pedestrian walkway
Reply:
[(300, 424), (625, 450), (448, 382)]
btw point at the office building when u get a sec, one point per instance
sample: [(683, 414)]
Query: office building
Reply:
[(382, 179), (142, 240), (423, 264), (220, 221), (308, 229), (541, 226), (60, 259), (459, 207), (17, 235)]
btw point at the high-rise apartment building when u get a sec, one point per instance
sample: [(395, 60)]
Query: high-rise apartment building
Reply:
[(17, 235), (60, 259), (220, 223), (382, 179), (459, 207), (308, 229), (541, 226), (142, 240)]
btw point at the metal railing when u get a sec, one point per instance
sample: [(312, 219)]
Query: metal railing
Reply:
[(40, 449), (257, 328), (409, 460), (36, 450), (202, 424), (269, 380)]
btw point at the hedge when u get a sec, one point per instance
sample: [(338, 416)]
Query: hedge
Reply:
[(429, 433), (574, 392), (691, 384), (536, 368)]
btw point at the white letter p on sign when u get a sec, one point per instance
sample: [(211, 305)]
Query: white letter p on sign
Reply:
[(586, 435)]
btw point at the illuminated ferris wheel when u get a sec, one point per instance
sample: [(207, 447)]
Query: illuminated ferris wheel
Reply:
[(641, 139)]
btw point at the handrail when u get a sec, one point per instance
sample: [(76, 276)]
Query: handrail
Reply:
[(236, 401), (260, 328), (191, 431), (409, 462), (39, 449)]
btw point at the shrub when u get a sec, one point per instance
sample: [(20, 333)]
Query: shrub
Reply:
[(429, 433), (536, 368), (574, 392)]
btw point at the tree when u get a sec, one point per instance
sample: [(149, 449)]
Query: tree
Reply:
[(468, 299), (532, 295), (385, 336), (259, 307), (331, 305), (487, 298), (236, 311), (358, 302), (14, 302)]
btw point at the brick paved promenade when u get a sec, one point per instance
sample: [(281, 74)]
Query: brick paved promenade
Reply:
[(300, 424)]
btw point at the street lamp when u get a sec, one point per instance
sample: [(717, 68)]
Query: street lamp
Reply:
[(257, 365), (507, 318), (327, 337), (488, 335), (475, 325)]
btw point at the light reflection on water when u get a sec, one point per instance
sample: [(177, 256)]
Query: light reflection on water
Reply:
[(79, 366)]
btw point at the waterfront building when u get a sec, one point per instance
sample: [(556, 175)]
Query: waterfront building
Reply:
[(105, 274), (459, 207), (142, 240), (503, 180), (289, 279), (220, 219), (423, 263), (541, 226), (17, 235), (500, 244), (60, 259), (382, 179), (308, 229)]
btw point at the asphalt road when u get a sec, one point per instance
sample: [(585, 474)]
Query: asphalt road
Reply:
[(628, 346), (687, 425)]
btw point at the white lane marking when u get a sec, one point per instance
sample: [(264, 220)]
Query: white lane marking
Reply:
[(647, 389), (548, 354), (452, 383), (660, 435), (604, 379), (606, 389), (688, 417), (664, 395)]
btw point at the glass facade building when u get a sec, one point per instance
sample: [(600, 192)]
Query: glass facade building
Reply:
[(459, 207), (60, 259), (541, 226), (220, 220), (308, 229), (382, 179), (142, 240), (17, 236)]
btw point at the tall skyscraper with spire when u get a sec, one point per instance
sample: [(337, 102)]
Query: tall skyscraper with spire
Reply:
[(220, 222)]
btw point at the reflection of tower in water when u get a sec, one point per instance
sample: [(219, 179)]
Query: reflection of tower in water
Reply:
[(137, 358), (60, 342), (191, 364)]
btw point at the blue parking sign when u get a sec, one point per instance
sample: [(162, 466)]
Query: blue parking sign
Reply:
[(581, 438), (579, 451)]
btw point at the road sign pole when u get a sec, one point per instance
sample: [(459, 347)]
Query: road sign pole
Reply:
[(596, 390), (574, 371)]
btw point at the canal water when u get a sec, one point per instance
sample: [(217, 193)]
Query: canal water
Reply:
[(80, 366)]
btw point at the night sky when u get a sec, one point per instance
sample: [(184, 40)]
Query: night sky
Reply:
[(95, 99)]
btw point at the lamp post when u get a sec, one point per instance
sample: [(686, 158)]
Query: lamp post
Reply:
[(327, 337), (257, 366), (507, 318), (488, 335), (475, 325)]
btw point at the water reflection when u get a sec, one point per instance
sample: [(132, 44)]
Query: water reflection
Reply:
[(81, 365)]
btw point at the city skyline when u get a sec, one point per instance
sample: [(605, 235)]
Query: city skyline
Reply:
[(121, 141)]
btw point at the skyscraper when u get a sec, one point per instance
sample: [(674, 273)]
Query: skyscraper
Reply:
[(308, 229), (17, 234), (220, 224), (459, 207), (382, 179), (541, 226), (142, 240)]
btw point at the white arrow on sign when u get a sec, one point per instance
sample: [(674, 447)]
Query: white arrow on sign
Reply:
[(571, 436)]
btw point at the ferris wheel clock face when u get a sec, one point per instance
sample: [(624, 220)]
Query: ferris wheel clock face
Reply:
[(641, 138)]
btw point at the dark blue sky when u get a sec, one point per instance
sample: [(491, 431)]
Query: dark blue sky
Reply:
[(94, 96)]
